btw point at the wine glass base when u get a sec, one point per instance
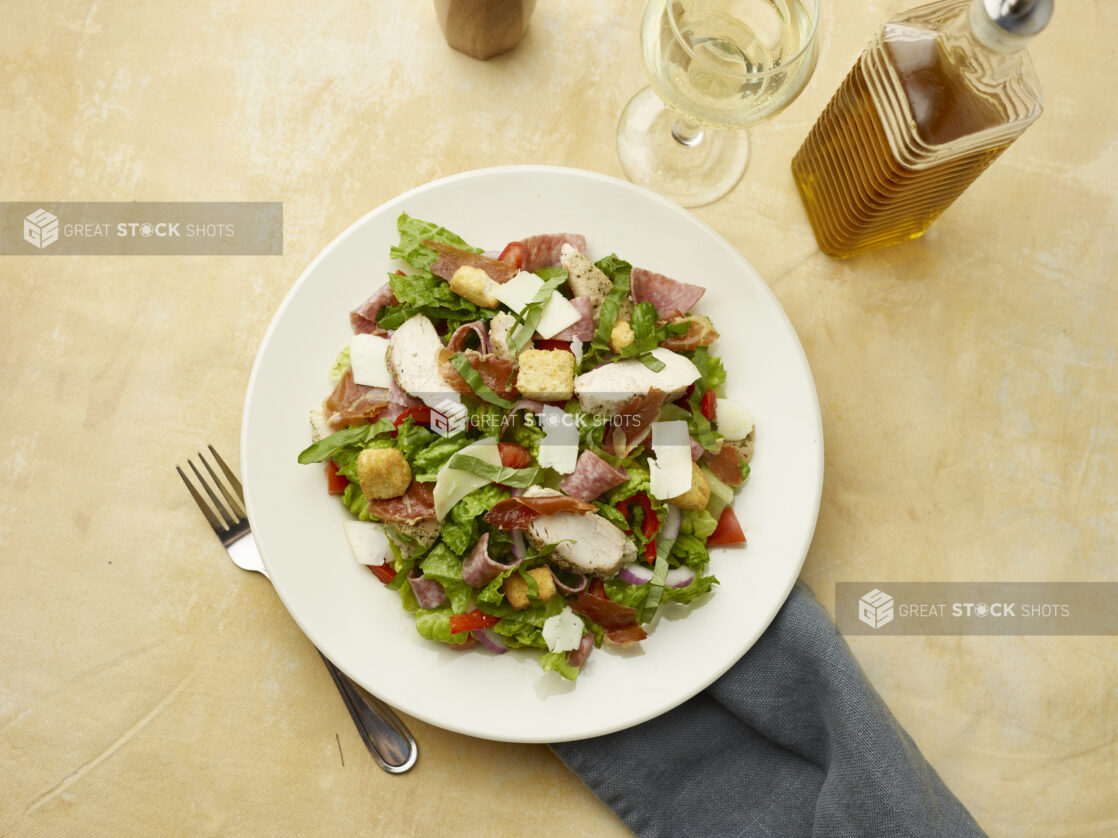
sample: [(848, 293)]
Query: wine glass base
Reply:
[(690, 174)]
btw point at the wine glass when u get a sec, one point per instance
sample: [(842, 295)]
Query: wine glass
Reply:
[(718, 66)]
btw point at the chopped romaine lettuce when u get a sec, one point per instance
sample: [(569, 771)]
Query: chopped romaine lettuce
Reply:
[(412, 233)]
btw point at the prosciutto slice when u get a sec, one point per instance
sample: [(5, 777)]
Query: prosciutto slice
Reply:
[(543, 251), (517, 513), (725, 465), (429, 593), (700, 332), (496, 373), (478, 569), (578, 656), (416, 504), (458, 340), (633, 422), (670, 296), (583, 328), (451, 259), (363, 319), (353, 402), (603, 611), (592, 476), (399, 401)]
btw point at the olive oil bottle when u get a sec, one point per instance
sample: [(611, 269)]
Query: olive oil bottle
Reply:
[(935, 98)]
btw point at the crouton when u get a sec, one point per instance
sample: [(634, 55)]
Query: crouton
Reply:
[(545, 583), (516, 591), (475, 285), (546, 374), (698, 495), (501, 328), (621, 336), (383, 473)]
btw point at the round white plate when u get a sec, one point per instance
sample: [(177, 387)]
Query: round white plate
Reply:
[(360, 625)]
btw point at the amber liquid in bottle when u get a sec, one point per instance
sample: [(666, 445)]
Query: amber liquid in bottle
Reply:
[(896, 145)]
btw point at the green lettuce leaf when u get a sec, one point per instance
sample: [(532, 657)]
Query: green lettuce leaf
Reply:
[(691, 551), (435, 625), (341, 364), (428, 461), (412, 233), (699, 523), (519, 478), (359, 435), (443, 566), (557, 662), (477, 502)]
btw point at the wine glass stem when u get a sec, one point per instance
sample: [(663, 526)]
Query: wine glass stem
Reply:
[(687, 133)]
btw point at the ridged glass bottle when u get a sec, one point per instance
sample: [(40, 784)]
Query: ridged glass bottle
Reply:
[(935, 98)]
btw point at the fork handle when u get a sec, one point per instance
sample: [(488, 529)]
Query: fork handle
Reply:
[(386, 737)]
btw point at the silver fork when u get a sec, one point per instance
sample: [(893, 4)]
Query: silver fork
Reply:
[(386, 737)]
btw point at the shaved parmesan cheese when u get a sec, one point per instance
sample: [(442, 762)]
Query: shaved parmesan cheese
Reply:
[(563, 632), (670, 473), (367, 360), (557, 314), (576, 350), (368, 541), (733, 419), (453, 484), (559, 447)]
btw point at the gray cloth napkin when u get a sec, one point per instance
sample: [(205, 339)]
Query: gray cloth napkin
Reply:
[(791, 741)]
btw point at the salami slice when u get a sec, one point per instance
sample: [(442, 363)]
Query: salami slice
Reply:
[(670, 296), (543, 251), (583, 328), (451, 259), (478, 569), (592, 476), (429, 593), (363, 319)]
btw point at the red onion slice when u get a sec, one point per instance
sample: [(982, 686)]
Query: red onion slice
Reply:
[(489, 641), (635, 574), (679, 577), (579, 587)]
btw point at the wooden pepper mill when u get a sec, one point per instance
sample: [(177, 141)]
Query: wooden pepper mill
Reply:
[(484, 28)]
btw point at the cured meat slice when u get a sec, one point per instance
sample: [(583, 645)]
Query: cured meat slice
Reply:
[(583, 329), (670, 296), (700, 332), (478, 569), (578, 656), (429, 593), (517, 513), (416, 504), (592, 476), (399, 401), (352, 402), (725, 465), (624, 635), (603, 611), (451, 259), (633, 423), (363, 319), (458, 340), (496, 373), (543, 251)]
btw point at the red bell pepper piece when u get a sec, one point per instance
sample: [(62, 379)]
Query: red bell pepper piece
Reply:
[(513, 254), (472, 621), (420, 414), (709, 405), (728, 530), (597, 588), (650, 525), (335, 483), (384, 572)]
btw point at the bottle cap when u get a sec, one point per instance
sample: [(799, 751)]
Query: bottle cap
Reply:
[(1019, 17)]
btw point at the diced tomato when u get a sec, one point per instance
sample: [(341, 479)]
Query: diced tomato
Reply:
[(597, 588), (513, 254), (554, 344), (709, 405), (650, 526), (472, 621), (420, 414), (728, 530), (384, 572), (650, 551), (335, 483), (513, 455)]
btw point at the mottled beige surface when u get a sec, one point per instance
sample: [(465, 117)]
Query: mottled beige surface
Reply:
[(149, 687)]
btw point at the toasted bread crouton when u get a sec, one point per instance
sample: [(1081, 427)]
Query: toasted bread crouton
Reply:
[(383, 473), (621, 336), (516, 590), (545, 583), (475, 285), (546, 374), (698, 495)]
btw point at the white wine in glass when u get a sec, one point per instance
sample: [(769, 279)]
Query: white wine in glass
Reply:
[(716, 66)]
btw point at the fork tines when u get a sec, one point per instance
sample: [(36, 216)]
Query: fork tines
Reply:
[(231, 511)]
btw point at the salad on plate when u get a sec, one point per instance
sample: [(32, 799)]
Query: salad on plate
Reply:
[(535, 447)]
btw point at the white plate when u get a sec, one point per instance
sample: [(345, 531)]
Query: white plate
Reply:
[(360, 625)]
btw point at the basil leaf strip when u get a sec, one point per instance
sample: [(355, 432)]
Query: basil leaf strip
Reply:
[(473, 379), (532, 313), (520, 478), (327, 447), (656, 583)]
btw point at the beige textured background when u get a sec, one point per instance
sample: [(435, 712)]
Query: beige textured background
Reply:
[(149, 687)]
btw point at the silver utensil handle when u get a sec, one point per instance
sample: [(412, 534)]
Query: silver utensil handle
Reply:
[(386, 737)]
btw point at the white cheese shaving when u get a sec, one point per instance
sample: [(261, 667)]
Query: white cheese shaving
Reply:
[(367, 360), (453, 484), (670, 473), (563, 632), (557, 314), (559, 447), (733, 419), (368, 542)]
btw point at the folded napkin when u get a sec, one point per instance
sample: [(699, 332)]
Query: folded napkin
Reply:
[(791, 741)]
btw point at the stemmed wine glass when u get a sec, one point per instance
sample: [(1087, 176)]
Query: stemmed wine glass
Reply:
[(718, 66)]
